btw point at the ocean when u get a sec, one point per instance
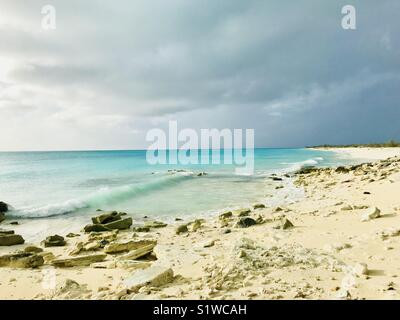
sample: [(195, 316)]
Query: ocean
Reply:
[(59, 191)]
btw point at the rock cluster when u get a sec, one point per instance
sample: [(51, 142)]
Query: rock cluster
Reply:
[(109, 221)]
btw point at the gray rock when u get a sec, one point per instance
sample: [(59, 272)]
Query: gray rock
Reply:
[(117, 247), (11, 239), (181, 229), (245, 222), (119, 224), (21, 260), (78, 261), (154, 276), (370, 214), (106, 217), (54, 241), (96, 228)]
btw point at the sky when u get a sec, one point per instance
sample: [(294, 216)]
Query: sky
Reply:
[(113, 70)]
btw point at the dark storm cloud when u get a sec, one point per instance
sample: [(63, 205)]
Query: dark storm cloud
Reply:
[(287, 70)]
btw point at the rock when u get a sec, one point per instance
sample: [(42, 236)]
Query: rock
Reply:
[(226, 231), (155, 224), (258, 206), (72, 235), (208, 244), (104, 265), (117, 247), (226, 215), (95, 228), (2, 216), (140, 228), (139, 252), (366, 192), (306, 170), (347, 208), (132, 264), (360, 269), (5, 232), (11, 239), (181, 229), (33, 249), (106, 217), (70, 289), (119, 224), (202, 174), (3, 207), (242, 212), (284, 224), (342, 170), (154, 276), (47, 256), (78, 261), (370, 214), (276, 179), (14, 223), (195, 225), (54, 241), (245, 222), (21, 260)]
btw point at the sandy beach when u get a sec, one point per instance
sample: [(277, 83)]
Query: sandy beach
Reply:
[(340, 241)]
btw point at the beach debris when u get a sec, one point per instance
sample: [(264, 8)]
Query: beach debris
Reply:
[(21, 260), (154, 224), (258, 206), (54, 241), (182, 228), (245, 222), (370, 214), (284, 224), (33, 249), (360, 269), (155, 276), (118, 247), (78, 261), (11, 239)]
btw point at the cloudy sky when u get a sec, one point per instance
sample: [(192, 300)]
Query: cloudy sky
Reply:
[(112, 70)]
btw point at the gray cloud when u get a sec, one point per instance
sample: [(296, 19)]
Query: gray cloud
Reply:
[(110, 72)]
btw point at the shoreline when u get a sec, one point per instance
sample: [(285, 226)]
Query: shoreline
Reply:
[(328, 245)]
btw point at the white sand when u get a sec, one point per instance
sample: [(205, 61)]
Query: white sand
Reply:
[(320, 258)]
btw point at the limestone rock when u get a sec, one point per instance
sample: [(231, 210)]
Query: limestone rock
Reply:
[(33, 249), (70, 290), (78, 261), (5, 232), (140, 251), (181, 229), (95, 228), (118, 247), (119, 224), (347, 208), (155, 224), (11, 239), (154, 276), (140, 228), (106, 217), (2, 216), (54, 241), (360, 269), (21, 260), (226, 215), (284, 224), (258, 206), (3, 207), (370, 214), (245, 222)]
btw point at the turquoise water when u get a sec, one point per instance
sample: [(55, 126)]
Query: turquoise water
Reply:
[(51, 184)]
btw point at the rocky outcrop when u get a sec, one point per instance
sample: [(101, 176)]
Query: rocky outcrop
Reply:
[(78, 261), (106, 217), (245, 222), (154, 276), (118, 247), (10, 239), (54, 241), (21, 260), (121, 224)]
